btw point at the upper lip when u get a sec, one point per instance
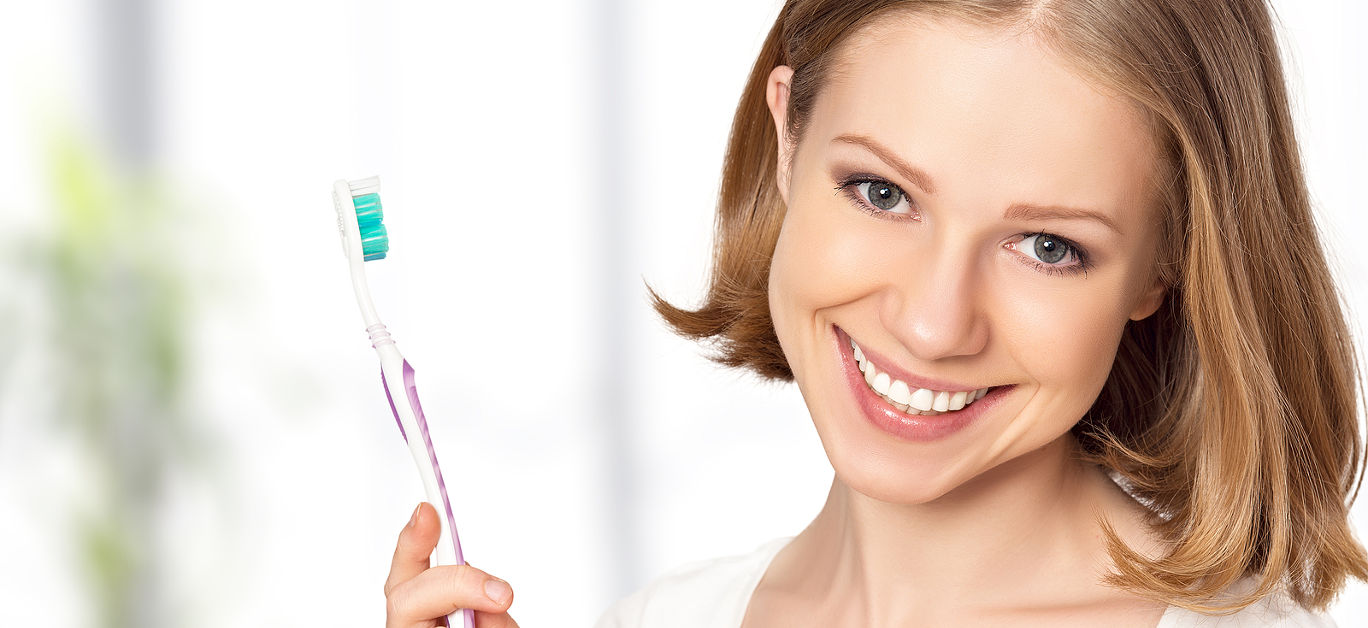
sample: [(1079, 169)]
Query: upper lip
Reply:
[(913, 381)]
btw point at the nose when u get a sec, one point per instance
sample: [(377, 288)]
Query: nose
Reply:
[(935, 309)]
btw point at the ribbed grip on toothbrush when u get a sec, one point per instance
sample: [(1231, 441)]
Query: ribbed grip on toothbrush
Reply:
[(379, 336)]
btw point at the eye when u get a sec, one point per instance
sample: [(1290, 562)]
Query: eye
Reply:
[(876, 196), (1046, 250)]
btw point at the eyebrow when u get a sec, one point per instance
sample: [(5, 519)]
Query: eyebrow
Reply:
[(1027, 211), (1016, 211), (908, 171)]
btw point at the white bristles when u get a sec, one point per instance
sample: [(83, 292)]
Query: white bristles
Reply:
[(362, 187)]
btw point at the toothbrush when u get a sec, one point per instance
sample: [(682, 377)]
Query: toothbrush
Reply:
[(364, 239)]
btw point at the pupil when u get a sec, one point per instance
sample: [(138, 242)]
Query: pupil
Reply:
[(884, 196), (1048, 250)]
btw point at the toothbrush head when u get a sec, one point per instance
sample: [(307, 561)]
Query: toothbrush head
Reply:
[(360, 218)]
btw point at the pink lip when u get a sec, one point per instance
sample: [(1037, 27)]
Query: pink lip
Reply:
[(905, 426)]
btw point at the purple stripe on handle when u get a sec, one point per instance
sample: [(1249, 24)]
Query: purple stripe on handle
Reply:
[(393, 410)]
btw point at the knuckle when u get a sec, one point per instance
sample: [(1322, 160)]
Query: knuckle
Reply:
[(466, 581), (397, 601)]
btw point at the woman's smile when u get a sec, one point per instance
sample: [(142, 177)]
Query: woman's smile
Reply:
[(911, 393), (907, 406)]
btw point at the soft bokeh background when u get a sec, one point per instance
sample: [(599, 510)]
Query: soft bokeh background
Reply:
[(192, 431)]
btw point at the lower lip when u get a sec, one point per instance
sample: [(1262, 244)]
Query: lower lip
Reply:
[(903, 426)]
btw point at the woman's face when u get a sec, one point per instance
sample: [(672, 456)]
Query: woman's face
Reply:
[(972, 214)]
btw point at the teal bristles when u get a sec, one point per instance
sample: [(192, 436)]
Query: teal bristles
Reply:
[(369, 217)]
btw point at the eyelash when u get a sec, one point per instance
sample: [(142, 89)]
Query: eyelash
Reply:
[(847, 187)]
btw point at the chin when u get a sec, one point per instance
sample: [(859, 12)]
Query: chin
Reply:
[(891, 475), (884, 483)]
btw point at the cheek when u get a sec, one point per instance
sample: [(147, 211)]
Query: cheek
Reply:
[(820, 261), (1066, 340)]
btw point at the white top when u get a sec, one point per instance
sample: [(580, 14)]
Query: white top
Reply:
[(715, 593)]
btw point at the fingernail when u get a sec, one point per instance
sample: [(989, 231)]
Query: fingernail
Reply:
[(497, 590), (413, 521)]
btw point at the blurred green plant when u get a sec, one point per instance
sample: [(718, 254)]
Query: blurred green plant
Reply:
[(117, 296)]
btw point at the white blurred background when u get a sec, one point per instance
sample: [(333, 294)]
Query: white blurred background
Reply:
[(192, 431)]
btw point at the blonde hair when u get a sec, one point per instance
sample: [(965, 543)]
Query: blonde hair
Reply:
[(1232, 411)]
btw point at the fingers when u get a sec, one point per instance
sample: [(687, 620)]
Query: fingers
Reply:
[(415, 594), (443, 590)]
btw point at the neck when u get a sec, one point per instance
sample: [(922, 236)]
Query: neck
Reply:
[(1004, 539)]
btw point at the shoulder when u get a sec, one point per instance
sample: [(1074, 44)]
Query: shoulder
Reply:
[(703, 594), (1276, 609)]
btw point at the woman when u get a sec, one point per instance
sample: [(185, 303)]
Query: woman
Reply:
[(1046, 276)]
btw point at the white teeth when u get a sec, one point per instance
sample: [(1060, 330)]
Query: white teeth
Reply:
[(881, 383), (922, 399), (899, 393), (912, 400)]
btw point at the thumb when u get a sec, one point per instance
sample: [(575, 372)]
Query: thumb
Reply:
[(426, 528), (415, 545)]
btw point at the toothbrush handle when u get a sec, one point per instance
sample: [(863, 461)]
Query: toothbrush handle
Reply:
[(425, 456)]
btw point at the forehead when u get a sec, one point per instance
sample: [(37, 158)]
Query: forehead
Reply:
[(993, 115)]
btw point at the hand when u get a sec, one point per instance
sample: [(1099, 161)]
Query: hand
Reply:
[(419, 597)]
